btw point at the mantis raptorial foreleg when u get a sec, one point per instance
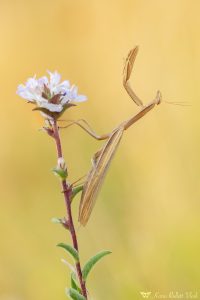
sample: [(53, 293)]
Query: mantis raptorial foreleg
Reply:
[(127, 74), (128, 67)]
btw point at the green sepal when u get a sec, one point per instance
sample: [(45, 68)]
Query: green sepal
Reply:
[(76, 190), (70, 250), (74, 283), (61, 173), (92, 261), (51, 114), (65, 107), (54, 115), (73, 294)]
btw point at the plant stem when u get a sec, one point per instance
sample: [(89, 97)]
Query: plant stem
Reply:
[(67, 192)]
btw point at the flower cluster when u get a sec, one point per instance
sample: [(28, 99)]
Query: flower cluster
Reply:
[(50, 95)]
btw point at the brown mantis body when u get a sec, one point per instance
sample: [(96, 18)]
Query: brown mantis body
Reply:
[(103, 158)]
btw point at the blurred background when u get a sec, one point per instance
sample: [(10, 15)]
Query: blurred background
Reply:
[(147, 213)]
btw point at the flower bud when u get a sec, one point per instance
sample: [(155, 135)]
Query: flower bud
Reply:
[(61, 163), (61, 221), (61, 169)]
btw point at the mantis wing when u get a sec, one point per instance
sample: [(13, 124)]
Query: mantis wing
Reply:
[(101, 162)]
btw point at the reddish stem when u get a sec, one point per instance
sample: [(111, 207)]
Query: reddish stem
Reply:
[(67, 191)]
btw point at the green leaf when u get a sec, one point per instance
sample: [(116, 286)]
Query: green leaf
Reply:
[(76, 190), (74, 283), (71, 250), (61, 173), (92, 261), (74, 294)]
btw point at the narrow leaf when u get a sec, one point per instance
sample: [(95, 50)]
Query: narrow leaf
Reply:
[(61, 173), (76, 190), (73, 294), (71, 250), (74, 283), (92, 261)]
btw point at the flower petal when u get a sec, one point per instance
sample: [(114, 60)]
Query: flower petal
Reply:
[(61, 88), (43, 81), (54, 79), (72, 95), (41, 91), (32, 83), (23, 92), (80, 98)]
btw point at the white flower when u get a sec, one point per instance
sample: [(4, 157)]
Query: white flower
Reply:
[(50, 94)]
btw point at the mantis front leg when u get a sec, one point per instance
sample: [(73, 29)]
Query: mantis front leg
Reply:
[(125, 124), (127, 74), (128, 67)]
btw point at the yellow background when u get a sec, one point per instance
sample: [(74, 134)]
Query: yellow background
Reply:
[(148, 211)]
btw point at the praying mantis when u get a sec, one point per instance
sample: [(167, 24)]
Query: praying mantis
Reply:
[(102, 159)]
